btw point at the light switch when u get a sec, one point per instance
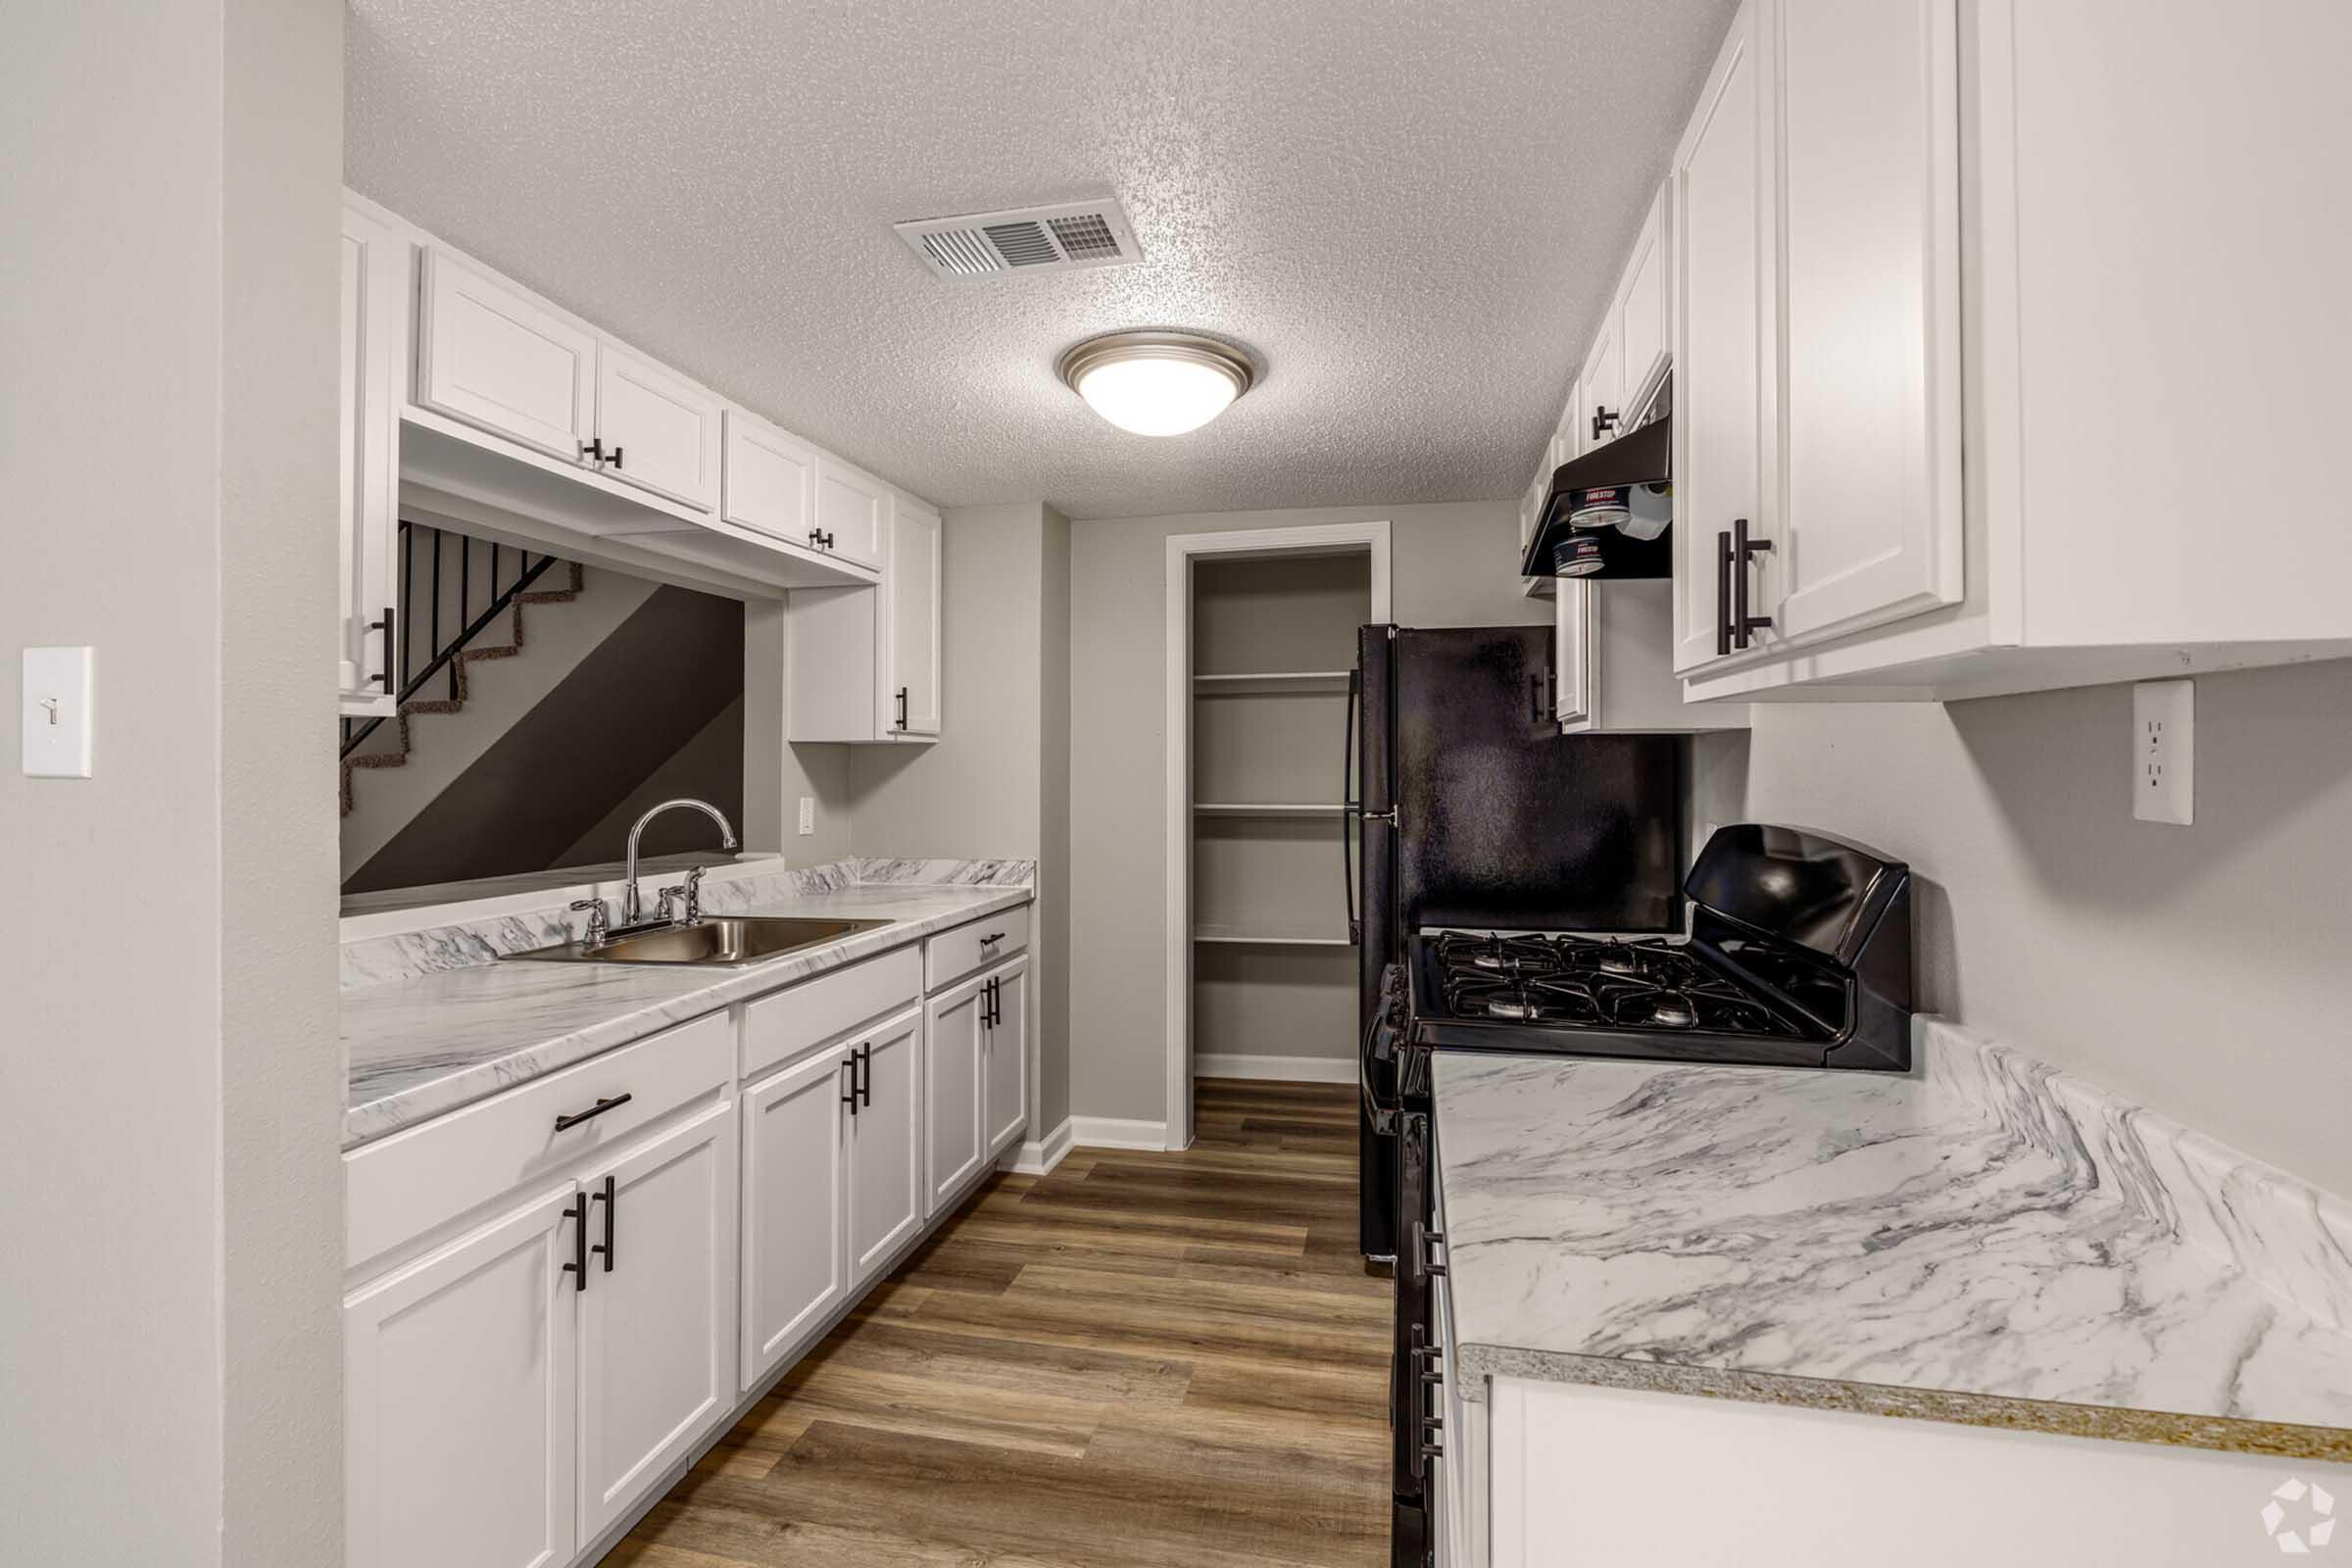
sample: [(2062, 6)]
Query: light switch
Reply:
[(58, 689), (808, 814)]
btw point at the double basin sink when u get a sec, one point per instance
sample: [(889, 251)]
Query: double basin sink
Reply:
[(729, 940)]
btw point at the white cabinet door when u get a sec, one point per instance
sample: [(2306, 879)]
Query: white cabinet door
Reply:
[(952, 1095), (655, 431), (374, 314), (1869, 276), (1572, 663), (1005, 1052), (496, 358), (1721, 353), (852, 512), (770, 480), (795, 1208), (911, 691), (656, 1331), (1644, 308), (458, 1399), (1603, 385), (886, 1182)]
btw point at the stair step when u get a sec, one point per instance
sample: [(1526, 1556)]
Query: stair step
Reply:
[(432, 704), (378, 759)]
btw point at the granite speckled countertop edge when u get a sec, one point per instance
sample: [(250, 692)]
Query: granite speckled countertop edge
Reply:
[(2114, 1423), (420, 1045)]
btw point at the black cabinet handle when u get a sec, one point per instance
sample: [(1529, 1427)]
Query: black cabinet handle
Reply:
[(849, 1096), (829, 541), (606, 1198), (865, 1075), (593, 1111), (1743, 550), (902, 707), (593, 451), (577, 1268), (1723, 594), (1603, 421), (385, 626), (615, 460), (1423, 1240)]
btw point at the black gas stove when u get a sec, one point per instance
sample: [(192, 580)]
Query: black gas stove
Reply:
[(1799, 956)]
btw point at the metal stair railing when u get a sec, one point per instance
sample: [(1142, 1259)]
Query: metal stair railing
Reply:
[(443, 656)]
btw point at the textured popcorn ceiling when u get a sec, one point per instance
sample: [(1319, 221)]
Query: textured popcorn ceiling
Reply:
[(1412, 213)]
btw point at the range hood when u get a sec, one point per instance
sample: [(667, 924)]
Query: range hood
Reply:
[(1641, 464)]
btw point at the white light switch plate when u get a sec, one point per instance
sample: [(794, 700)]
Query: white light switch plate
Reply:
[(808, 814), (2163, 754), (58, 690)]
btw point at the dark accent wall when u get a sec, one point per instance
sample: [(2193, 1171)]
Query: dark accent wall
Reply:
[(638, 704)]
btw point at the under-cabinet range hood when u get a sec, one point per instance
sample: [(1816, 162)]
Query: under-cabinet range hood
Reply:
[(1608, 513)]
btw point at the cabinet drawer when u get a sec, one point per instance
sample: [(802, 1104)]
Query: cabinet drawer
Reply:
[(400, 1188), (951, 955), (778, 1027)]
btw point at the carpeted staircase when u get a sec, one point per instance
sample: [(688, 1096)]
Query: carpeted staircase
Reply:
[(459, 663)]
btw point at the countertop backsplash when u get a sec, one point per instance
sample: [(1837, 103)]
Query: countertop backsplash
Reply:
[(445, 937)]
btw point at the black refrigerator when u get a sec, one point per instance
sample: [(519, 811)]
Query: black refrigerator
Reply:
[(1477, 813)]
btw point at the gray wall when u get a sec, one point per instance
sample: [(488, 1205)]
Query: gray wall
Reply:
[(1447, 568), (776, 773), (995, 782), (171, 1366), (2201, 970)]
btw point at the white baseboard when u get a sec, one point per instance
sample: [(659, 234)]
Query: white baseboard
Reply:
[(1111, 1132), (1038, 1157), (1291, 1069)]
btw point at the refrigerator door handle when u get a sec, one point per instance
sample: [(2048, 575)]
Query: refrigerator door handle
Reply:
[(1348, 807)]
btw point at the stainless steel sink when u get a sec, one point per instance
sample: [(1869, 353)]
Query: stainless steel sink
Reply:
[(728, 940)]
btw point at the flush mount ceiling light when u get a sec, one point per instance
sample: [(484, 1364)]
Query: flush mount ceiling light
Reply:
[(1157, 383)]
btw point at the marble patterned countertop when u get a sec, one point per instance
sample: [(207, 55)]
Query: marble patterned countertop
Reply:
[(432, 1020), (1986, 1241)]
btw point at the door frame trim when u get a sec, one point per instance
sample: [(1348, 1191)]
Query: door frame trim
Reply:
[(1369, 538)]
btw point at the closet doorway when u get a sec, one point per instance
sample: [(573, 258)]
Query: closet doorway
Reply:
[(1261, 652)]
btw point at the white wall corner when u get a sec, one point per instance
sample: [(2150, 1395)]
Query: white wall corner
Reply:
[(1039, 1155)]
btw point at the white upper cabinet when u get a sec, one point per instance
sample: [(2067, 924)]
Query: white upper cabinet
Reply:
[(852, 512), (770, 479), (1914, 151), (656, 430), (1868, 192), (1602, 384), (1720, 342), (913, 587), (374, 324), (495, 358), (1644, 309)]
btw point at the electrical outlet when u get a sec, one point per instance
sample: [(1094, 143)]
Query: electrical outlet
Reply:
[(2163, 757), (807, 816)]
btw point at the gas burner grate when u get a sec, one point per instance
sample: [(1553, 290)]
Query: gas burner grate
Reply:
[(1605, 983)]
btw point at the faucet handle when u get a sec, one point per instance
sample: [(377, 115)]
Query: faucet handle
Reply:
[(597, 925), (694, 894), (661, 902)]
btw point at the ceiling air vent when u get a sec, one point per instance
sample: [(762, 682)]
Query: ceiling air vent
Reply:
[(1090, 233)]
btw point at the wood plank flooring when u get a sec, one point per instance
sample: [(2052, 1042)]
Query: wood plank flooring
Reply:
[(1142, 1359)]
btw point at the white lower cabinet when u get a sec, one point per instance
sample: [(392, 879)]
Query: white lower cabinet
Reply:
[(567, 1290), (951, 1141), (885, 1167), (460, 1407), (657, 1316), (795, 1208), (1004, 1056)]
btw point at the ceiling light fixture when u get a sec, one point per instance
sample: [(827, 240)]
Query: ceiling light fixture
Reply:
[(1157, 383)]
